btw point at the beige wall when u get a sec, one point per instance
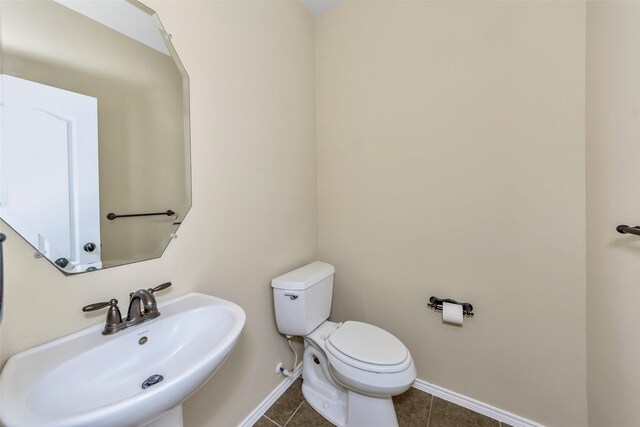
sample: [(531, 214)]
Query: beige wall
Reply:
[(613, 267), (254, 189), (451, 163), (450, 153)]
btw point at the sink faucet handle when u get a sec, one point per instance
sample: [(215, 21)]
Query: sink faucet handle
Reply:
[(98, 305), (160, 287), (114, 318)]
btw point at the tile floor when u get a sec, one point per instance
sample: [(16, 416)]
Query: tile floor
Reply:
[(413, 408)]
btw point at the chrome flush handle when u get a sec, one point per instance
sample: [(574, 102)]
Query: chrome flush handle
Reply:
[(291, 296)]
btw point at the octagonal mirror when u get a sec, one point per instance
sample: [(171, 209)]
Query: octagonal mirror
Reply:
[(94, 138)]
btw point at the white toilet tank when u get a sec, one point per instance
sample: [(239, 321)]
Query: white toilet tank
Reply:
[(302, 298)]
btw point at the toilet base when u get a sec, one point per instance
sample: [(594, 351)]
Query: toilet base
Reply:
[(367, 411), (333, 410), (360, 411), (342, 407), (320, 390)]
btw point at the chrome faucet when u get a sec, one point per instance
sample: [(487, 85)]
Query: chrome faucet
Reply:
[(142, 307)]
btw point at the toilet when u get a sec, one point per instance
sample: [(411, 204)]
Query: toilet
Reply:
[(350, 370)]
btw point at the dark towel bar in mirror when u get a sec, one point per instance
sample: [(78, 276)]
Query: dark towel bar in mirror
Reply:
[(112, 216)]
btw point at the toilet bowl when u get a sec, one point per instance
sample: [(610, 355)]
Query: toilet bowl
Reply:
[(350, 370), (350, 379)]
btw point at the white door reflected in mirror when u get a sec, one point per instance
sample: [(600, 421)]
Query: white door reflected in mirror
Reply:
[(49, 183)]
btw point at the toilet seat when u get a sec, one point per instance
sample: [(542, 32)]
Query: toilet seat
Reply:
[(367, 347), (366, 378)]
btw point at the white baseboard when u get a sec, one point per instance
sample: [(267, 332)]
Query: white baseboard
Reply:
[(474, 405), (254, 416), (442, 393)]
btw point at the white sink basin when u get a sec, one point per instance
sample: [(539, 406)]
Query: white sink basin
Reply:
[(88, 379)]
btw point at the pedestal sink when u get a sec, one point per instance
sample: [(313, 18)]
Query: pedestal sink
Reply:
[(89, 379)]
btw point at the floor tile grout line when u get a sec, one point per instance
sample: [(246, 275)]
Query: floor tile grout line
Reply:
[(272, 420), (294, 412), (430, 407)]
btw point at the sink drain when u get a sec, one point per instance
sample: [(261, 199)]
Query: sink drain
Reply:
[(152, 380)]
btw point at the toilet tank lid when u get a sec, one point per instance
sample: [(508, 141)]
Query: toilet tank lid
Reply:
[(303, 277)]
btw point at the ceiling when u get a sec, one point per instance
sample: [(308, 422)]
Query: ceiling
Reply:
[(316, 7)]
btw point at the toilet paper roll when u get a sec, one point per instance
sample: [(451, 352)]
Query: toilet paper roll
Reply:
[(452, 313)]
